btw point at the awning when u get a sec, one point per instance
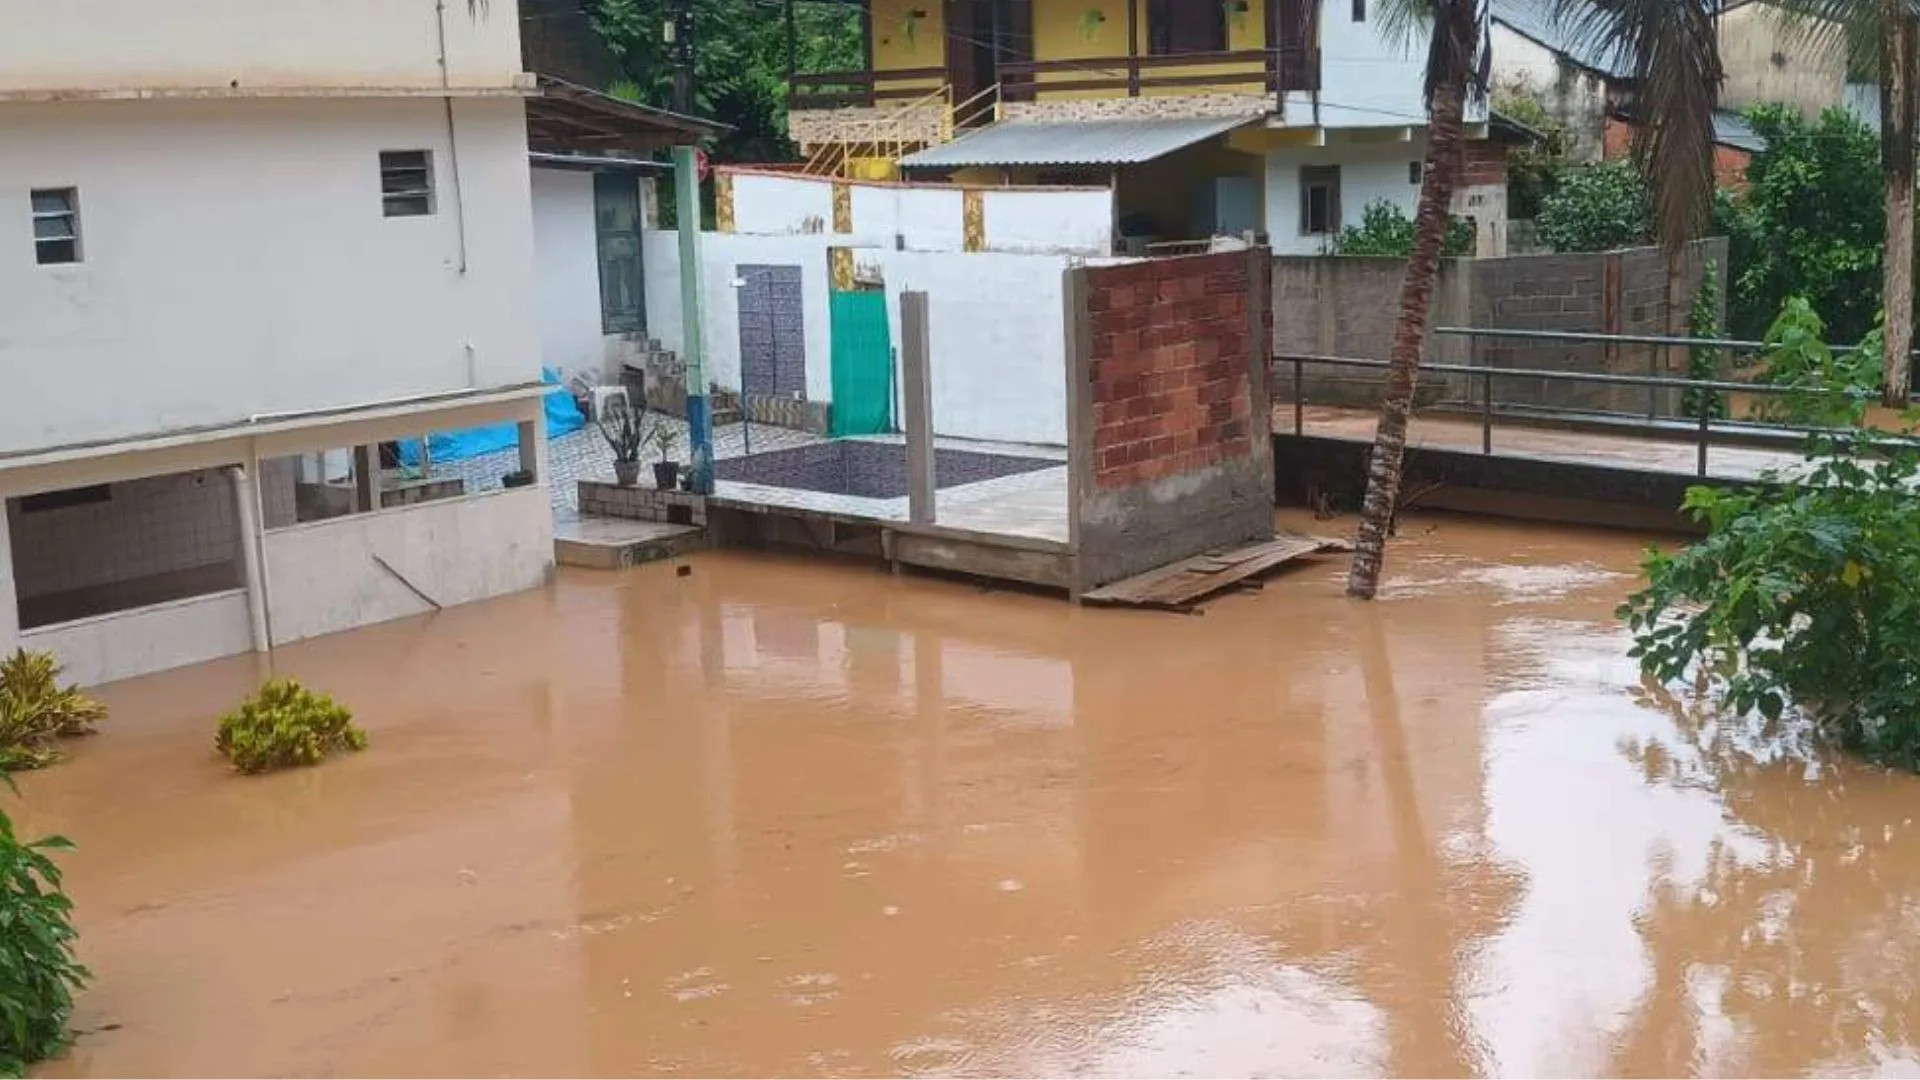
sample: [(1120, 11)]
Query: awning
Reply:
[(1089, 142), (565, 117)]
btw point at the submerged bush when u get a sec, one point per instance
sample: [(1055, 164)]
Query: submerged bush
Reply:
[(1804, 596), (38, 971), (285, 725), (35, 710)]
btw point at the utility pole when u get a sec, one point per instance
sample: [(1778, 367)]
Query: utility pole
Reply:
[(686, 208), (679, 34)]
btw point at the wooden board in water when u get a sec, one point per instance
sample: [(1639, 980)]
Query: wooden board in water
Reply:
[(1178, 586)]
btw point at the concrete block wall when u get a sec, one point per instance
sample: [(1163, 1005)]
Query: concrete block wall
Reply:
[(1345, 306), (146, 527), (1170, 448)]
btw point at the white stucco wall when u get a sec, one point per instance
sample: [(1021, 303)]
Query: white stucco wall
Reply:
[(929, 217), (998, 329), (1368, 77), (322, 577), (780, 205), (236, 262), (129, 643), (126, 44), (1574, 97), (1369, 172), (720, 255), (1071, 221), (567, 272)]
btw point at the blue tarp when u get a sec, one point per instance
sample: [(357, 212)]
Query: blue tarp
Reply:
[(563, 417)]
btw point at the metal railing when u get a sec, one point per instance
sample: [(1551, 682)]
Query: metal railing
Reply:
[(1703, 423)]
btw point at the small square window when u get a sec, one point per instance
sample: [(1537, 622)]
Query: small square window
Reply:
[(1319, 200), (56, 226), (406, 183)]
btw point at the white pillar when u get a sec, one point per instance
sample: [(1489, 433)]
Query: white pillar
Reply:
[(246, 504), (9, 601)]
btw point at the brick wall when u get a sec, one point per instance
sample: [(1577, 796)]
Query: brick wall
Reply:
[(1170, 354), (1485, 162), (1170, 434)]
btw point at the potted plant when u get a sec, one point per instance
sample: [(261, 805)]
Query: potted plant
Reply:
[(622, 429), (666, 471)]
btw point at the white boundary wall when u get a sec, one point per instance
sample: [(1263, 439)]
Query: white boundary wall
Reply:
[(926, 217)]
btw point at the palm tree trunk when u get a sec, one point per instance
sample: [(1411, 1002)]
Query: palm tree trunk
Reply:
[(1897, 109), (1409, 337)]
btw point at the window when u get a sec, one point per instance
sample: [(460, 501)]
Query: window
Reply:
[(64, 498), (406, 183), (616, 224), (1186, 26), (56, 226), (1416, 172), (1359, 10), (1319, 200)]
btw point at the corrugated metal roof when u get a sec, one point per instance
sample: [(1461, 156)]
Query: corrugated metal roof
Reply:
[(1090, 142), (1542, 21), (1732, 129)]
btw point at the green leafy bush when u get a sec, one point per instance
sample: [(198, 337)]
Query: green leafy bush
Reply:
[(286, 725), (1802, 597), (35, 710), (38, 971), (1703, 363), (1832, 388), (1597, 208), (1385, 229), (1812, 223)]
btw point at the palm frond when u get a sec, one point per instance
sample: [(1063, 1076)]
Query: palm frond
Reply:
[(1855, 25), (1452, 31), (1673, 49)]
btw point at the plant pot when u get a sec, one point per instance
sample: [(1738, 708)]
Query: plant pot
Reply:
[(516, 479), (666, 475), (626, 473)]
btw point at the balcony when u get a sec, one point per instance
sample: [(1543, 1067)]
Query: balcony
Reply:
[(1241, 71)]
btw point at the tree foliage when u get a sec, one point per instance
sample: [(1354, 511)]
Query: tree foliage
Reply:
[(740, 61), (1533, 169), (1831, 388), (1804, 597), (38, 970), (1597, 207), (1812, 223), (1385, 229)]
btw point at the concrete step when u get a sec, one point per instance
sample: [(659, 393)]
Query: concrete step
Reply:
[(601, 543)]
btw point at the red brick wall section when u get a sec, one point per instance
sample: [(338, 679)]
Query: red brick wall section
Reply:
[(1484, 164), (1171, 363)]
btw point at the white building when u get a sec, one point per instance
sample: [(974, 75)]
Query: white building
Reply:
[(241, 247)]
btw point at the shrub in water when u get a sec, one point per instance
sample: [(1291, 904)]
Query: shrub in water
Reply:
[(35, 710), (285, 725), (38, 972)]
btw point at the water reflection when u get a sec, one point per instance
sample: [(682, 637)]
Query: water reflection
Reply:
[(786, 816)]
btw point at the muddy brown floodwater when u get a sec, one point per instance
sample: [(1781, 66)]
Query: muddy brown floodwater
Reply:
[(784, 816)]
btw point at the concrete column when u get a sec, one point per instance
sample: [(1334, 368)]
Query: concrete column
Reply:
[(366, 477), (916, 382), (9, 599), (246, 504)]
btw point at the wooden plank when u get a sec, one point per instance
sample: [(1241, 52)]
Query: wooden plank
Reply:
[(1178, 586)]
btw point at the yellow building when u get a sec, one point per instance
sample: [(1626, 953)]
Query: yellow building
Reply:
[(1285, 119)]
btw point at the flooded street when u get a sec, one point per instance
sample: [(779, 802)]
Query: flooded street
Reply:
[(790, 816)]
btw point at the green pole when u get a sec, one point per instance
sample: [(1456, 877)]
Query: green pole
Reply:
[(699, 411)]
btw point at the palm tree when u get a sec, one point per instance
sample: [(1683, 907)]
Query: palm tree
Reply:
[(1673, 50), (1884, 34)]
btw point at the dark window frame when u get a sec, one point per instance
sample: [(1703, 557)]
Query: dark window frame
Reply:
[(56, 228), (1178, 27), (407, 186), (1325, 178), (64, 498)]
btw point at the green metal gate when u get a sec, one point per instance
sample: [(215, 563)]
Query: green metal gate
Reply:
[(862, 364)]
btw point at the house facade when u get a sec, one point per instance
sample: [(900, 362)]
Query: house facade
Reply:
[(1280, 118), (245, 251)]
